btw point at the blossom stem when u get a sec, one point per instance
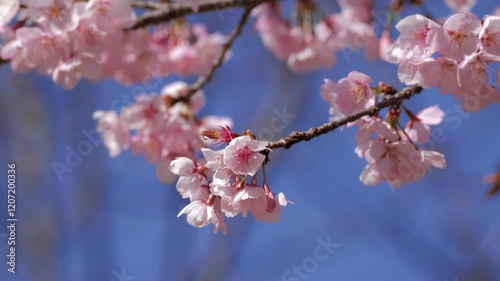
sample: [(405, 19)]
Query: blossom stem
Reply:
[(203, 80), (264, 178), (406, 135), (296, 137), (242, 182), (177, 10)]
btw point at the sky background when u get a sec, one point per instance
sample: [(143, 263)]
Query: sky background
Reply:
[(110, 216)]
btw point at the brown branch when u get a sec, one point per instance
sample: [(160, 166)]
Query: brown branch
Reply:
[(148, 5), (2, 61), (176, 10), (203, 80), (296, 137)]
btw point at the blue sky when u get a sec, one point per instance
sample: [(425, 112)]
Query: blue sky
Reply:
[(112, 214)]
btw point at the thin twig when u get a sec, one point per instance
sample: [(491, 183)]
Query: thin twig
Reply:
[(148, 5), (296, 137), (203, 80), (177, 10)]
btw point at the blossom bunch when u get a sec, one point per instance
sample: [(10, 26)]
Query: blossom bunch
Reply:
[(166, 130), (70, 40), (313, 41), (389, 148), (159, 126), (226, 184), (457, 56)]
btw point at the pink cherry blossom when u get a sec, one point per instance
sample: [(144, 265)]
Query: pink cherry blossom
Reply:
[(8, 10), (200, 214), (37, 49), (397, 163), (349, 94), (110, 15), (418, 127), (490, 35), (222, 175), (276, 34), (146, 114), (54, 15), (243, 157), (369, 126), (149, 145), (315, 55), (460, 6), (357, 10), (208, 48), (114, 131), (441, 72), (273, 206), (474, 83), (70, 71), (460, 36), (251, 198), (420, 37), (192, 182)]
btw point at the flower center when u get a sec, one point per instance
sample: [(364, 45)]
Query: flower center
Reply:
[(359, 93), (244, 154), (150, 111)]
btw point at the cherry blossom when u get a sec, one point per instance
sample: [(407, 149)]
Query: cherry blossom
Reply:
[(277, 34), (115, 132), (8, 10), (349, 94), (243, 157), (460, 36), (418, 127), (397, 163), (311, 44), (490, 35), (462, 6), (441, 72), (192, 182), (200, 214), (314, 56)]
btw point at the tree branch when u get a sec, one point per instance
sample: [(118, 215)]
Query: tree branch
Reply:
[(176, 10), (203, 80), (296, 137), (148, 5)]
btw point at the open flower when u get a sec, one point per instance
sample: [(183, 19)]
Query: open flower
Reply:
[(243, 157)]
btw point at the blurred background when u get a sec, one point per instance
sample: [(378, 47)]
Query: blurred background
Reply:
[(109, 219)]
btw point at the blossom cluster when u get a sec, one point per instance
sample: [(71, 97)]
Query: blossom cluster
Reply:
[(70, 40), (311, 44), (159, 126), (389, 148), (457, 56), (166, 130), (220, 188)]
